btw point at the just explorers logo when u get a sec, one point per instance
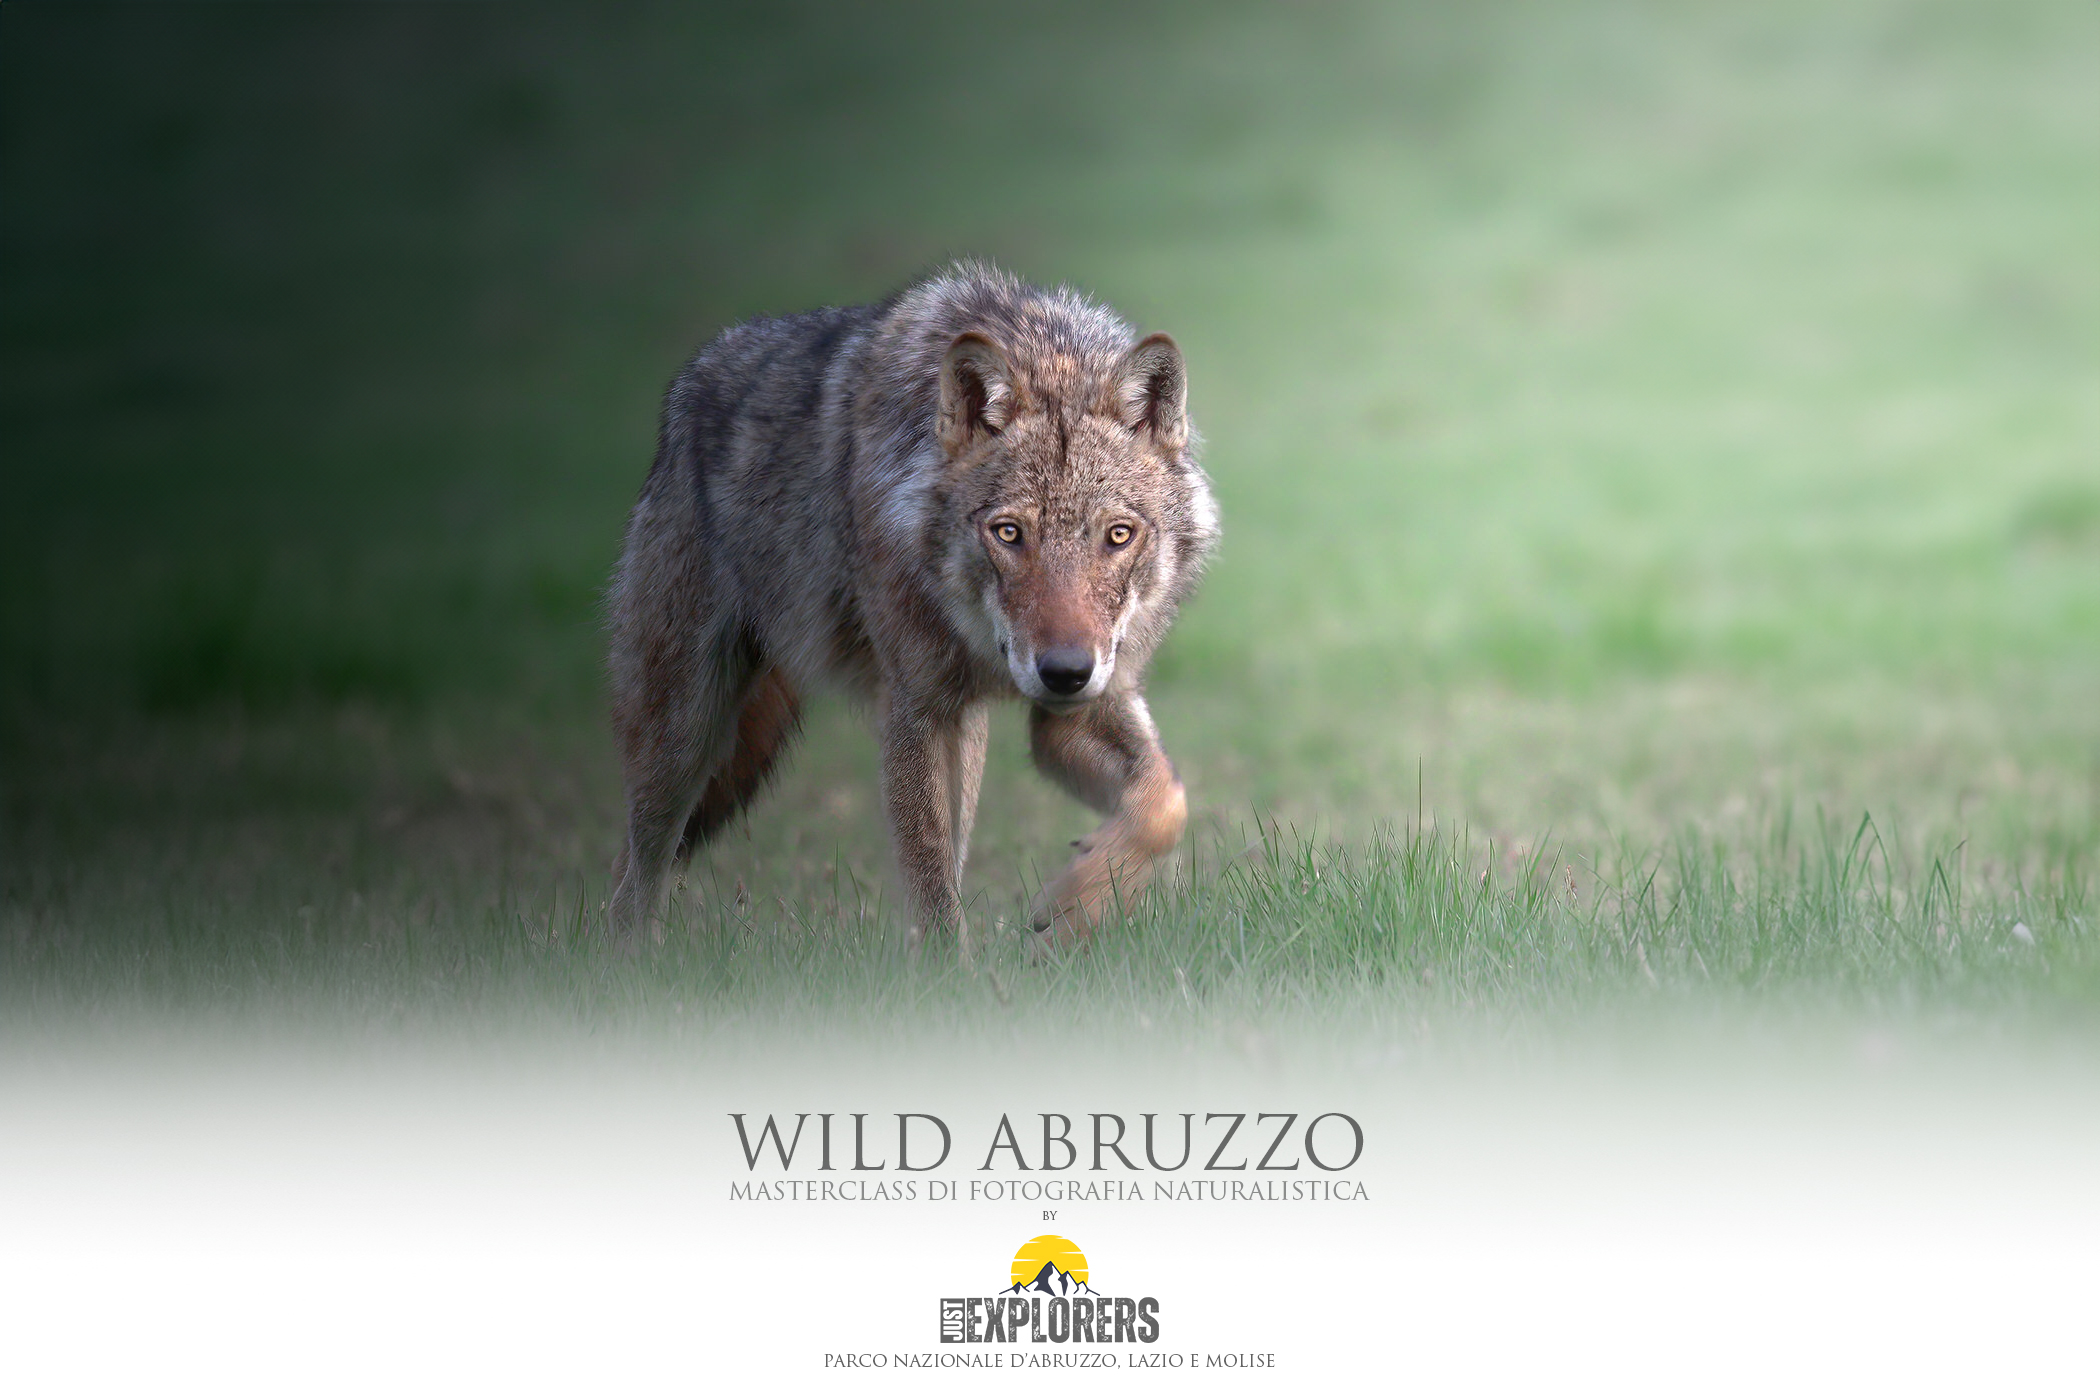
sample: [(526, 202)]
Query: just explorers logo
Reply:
[(1049, 1300)]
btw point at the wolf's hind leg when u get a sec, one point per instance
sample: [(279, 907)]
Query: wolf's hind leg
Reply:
[(1108, 756), (675, 735), (766, 724)]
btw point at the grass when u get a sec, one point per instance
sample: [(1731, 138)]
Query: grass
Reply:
[(1415, 936), (1657, 447)]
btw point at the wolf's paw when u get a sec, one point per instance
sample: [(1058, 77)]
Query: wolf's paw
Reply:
[(1084, 895), (930, 935), (626, 926), (1059, 919), (633, 940)]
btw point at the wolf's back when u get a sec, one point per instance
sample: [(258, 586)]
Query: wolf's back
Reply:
[(744, 395)]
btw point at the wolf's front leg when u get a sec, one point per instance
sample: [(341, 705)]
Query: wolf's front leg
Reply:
[(966, 749), (918, 750), (1108, 756)]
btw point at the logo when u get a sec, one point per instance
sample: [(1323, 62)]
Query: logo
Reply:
[(1050, 1299)]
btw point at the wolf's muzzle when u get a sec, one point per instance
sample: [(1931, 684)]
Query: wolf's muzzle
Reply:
[(1065, 670)]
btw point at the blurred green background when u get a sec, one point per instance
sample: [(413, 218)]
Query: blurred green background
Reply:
[(1629, 418)]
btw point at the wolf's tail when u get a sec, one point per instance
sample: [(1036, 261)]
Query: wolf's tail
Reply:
[(767, 723)]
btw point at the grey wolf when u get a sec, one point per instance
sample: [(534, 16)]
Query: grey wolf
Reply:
[(973, 491)]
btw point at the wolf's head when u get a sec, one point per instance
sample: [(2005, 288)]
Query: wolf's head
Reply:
[(1082, 519)]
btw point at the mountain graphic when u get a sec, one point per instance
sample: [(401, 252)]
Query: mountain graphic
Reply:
[(1054, 1281)]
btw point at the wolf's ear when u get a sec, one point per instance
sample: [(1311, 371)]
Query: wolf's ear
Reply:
[(1152, 391), (977, 391)]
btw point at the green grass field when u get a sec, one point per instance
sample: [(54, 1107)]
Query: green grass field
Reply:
[(1659, 448)]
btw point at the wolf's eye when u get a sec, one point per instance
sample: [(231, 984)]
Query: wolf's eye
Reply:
[(1006, 532), (1118, 536)]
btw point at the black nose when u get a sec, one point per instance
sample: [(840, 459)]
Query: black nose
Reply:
[(1065, 670)]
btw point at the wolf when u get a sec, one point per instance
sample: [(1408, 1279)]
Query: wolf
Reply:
[(975, 490)]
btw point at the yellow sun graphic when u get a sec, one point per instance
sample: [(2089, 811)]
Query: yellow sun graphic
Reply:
[(1048, 1249)]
